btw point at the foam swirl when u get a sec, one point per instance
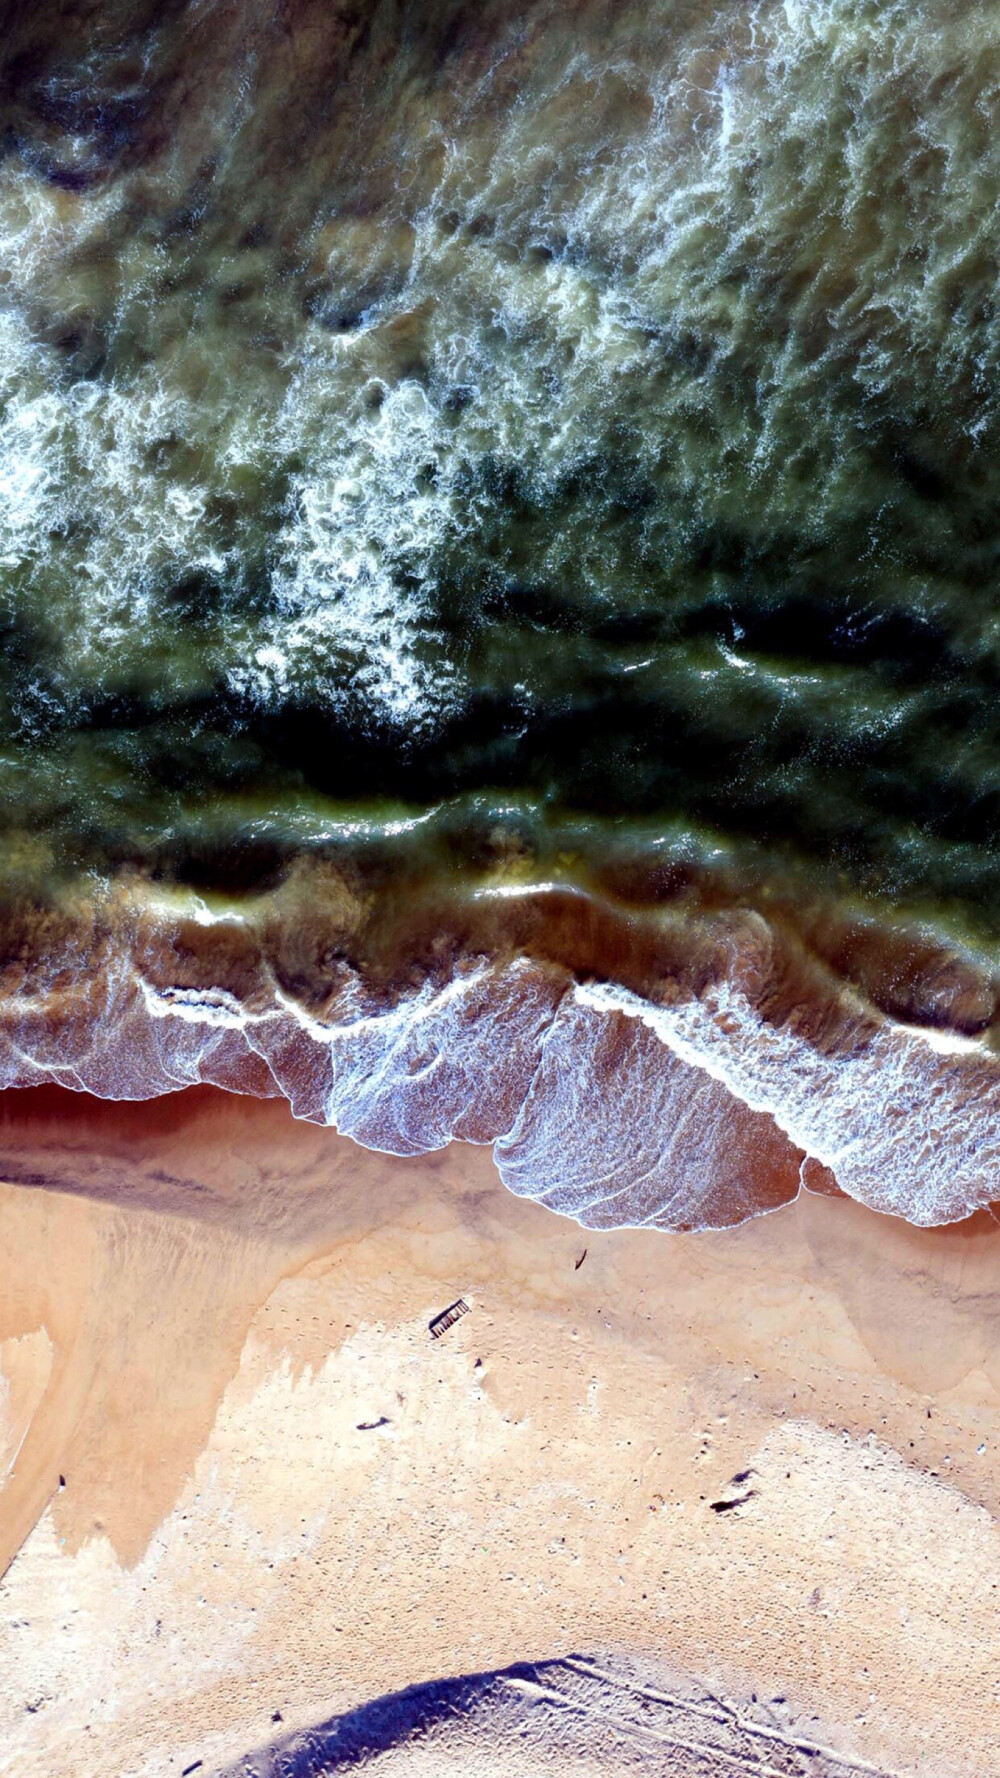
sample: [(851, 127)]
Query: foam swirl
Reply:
[(698, 1100)]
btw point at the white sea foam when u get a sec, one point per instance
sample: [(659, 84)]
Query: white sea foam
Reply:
[(600, 1103), (374, 505), (572, 286), (905, 1128), (617, 1132), (700, 171)]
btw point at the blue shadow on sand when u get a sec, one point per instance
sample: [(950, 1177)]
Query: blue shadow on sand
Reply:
[(384, 1723)]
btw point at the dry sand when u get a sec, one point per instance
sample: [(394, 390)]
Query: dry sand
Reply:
[(279, 1495)]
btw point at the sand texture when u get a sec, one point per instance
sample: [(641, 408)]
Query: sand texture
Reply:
[(574, 1715), (248, 1485)]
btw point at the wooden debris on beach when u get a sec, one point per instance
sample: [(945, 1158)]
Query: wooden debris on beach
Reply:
[(447, 1318)]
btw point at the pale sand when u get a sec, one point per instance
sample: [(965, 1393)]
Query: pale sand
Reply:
[(196, 1339)]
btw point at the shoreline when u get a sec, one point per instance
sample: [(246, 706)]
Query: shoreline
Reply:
[(658, 1065), (240, 1298), (499, 915)]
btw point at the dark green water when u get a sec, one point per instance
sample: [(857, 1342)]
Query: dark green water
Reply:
[(593, 404), (550, 433)]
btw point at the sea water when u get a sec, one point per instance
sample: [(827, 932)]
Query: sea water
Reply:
[(499, 572)]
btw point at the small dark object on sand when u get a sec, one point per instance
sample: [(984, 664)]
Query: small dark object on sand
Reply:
[(580, 1261), (447, 1318), (372, 1425), (727, 1506)]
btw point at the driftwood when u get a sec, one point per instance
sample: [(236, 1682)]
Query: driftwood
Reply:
[(447, 1318)]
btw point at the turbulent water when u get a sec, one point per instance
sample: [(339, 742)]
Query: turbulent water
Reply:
[(500, 580)]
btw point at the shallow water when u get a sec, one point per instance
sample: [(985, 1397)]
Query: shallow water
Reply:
[(452, 454)]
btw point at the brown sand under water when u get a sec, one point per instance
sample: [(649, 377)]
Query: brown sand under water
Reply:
[(633, 1065), (281, 1494)]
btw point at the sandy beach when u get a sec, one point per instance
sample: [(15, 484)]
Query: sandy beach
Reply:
[(247, 1490)]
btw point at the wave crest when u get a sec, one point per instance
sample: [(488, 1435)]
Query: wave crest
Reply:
[(704, 1098)]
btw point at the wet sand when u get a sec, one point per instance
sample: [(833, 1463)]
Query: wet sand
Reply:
[(280, 1495)]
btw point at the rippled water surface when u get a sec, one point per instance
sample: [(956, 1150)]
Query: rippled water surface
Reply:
[(593, 402), (557, 441)]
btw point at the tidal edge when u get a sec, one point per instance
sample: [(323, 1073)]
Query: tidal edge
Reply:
[(631, 1066)]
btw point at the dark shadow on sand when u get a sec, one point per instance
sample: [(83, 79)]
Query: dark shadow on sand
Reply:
[(384, 1723), (623, 1713)]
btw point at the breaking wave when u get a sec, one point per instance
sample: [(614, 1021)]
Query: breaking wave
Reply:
[(743, 1071), (499, 582)]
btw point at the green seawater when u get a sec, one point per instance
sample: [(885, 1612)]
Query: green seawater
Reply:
[(585, 418)]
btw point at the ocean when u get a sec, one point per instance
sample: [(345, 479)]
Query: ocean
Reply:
[(500, 582)]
